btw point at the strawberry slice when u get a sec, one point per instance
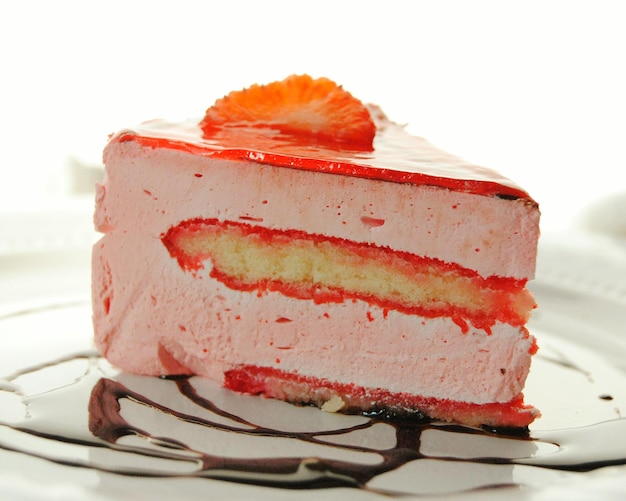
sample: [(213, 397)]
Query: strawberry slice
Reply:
[(316, 109)]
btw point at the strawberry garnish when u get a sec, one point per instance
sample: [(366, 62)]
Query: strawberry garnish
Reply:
[(316, 109)]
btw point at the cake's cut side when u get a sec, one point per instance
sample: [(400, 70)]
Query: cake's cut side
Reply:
[(278, 251), (324, 269)]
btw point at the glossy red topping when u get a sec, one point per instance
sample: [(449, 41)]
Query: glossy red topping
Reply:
[(317, 109), (396, 155)]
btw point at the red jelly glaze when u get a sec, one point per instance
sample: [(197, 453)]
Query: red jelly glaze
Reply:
[(397, 156), (256, 380)]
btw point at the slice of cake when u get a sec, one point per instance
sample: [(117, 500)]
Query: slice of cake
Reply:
[(295, 243)]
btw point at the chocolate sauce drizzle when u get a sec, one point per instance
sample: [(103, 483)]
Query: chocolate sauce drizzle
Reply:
[(100, 402)]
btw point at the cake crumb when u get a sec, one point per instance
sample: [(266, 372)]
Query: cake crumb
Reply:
[(335, 404)]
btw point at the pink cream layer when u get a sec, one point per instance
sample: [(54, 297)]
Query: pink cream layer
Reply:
[(148, 190)]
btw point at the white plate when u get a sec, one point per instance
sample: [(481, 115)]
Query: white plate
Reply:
[(578, 380)]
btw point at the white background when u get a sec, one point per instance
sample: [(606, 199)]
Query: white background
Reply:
[(535, 89)]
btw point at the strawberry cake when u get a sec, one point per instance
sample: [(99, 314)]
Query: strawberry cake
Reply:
[(295, 243)]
